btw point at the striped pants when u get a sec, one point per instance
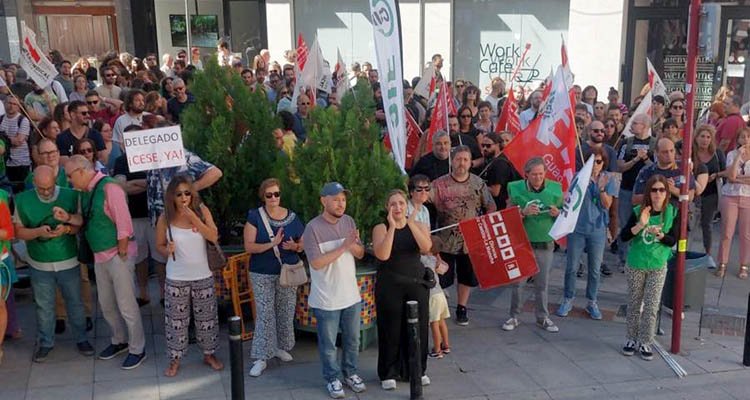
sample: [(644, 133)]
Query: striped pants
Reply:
[(644, 288), (178, 297)]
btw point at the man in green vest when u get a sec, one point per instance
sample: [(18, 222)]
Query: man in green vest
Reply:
[(49, 155), (108, 229), (53, 256), (540, 201)]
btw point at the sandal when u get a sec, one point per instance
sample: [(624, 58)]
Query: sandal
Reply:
[(171, 370), (213, 362), (436, 354), (743, 274), (721, 270)]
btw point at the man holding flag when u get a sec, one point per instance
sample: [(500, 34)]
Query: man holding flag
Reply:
[(540, 200)]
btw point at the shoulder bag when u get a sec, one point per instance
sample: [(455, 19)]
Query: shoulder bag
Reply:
[(291, 274)]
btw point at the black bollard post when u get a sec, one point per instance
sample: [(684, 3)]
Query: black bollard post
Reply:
[(415, 356), (235, 357), (746, 352)]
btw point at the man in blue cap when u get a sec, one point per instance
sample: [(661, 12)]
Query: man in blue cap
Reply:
[(331, 242)]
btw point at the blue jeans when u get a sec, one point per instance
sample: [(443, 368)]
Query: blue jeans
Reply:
[(594, 245), (44, 285), (329, 323), (625, 210)]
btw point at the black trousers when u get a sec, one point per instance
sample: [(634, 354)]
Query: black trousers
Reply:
[(391, 295)]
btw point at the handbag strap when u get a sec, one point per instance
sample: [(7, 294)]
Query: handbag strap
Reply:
[(87, 215), (264, 217)]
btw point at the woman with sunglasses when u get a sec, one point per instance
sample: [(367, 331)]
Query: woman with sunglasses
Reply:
[(590, 234), (181, 235), (274, 328), (708, 163), (471, 100), (735, 205), (87, 148), (652, 232), (677, 113), (466, 122)]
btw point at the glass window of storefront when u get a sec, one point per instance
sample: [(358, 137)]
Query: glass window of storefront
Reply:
[(490, 36)]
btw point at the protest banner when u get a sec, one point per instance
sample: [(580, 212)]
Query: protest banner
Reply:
[(568, 218), (499, 249), (154, 148), (387, 35)]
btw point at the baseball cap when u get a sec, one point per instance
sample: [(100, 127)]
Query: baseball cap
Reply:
[(332, 189)]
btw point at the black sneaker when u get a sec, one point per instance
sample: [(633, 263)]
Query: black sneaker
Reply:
[(646, 353), (133, 360), (59, 326), (614, 247), (605, 270), (89, 324), (41, 354), (462, 315), (113, 350), (579, 273), (629, 348), (85, 348)]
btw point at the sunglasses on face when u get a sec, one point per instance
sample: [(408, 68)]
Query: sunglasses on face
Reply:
[(184, 193), (110, 75), (272, 194), (486, 145), (599, 161), (466, 116), (87, 150), (597, 130), (84, 113), (658, 190), (180, 88), (677, 107), (92, 103), (420, 189), (303, 104)]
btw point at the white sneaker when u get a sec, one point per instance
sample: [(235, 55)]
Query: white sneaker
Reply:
[(388, 384), (511, 324), (336, 389), (426, 380), (258, 367), (548, 325), (284, 355), (355, 383)]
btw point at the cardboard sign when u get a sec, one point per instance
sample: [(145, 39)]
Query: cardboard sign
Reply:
[(499, 249), (154, 148)]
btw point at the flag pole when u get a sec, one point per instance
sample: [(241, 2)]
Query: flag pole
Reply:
[(26, 113)]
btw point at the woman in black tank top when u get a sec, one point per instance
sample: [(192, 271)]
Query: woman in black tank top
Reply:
[(398, 244)]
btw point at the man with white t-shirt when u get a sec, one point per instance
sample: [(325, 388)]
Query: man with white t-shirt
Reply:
[(331, 242)]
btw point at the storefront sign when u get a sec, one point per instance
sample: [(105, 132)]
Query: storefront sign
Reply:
[(154, 148), (674, 78), (499, 249)]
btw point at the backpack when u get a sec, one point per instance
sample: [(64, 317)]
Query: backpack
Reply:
[(4, 136)]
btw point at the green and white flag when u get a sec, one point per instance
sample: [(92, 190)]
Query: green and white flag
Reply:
[(568, 218)]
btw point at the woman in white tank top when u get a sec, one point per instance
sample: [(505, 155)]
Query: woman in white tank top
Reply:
[(181, 235)]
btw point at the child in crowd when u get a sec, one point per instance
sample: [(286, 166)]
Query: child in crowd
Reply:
[(438, 303)]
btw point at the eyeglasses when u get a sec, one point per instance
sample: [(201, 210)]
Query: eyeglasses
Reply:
[(179, 88), (597, 130), (92, 103), (48, 153), (283, 93), (677, 107), (110, 75), (69, 175), (87, 150), (303, 104), (460, 85), (420, 189), (466, 116), (184, 193), (599, 161), (658, 190), (487, 145), (272, 194)]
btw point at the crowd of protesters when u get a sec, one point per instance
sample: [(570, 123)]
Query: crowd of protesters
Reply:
[(64, 169)]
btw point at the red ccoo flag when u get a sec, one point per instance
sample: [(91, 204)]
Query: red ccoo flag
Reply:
[(301, 52), (551, 136), (509, 120), (439, 118), (413, 134)]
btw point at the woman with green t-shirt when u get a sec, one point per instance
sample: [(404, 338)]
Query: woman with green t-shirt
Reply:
[(653, 232)]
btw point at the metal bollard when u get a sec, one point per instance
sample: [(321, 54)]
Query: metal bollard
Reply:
[(746, 352), (415, 348), (235, 357)]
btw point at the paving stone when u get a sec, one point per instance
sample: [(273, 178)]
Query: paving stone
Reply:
[(61, 373), (78, 392), (127, 389)]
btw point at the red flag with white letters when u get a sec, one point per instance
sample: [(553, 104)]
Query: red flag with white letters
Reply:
[(413, 134), (509, 120), (439, 118), (551, 136)]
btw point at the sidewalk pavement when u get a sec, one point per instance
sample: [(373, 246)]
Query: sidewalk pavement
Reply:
[(582, 361)]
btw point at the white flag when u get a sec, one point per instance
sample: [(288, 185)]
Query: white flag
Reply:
[(387, 34), (34, 61), (425, 82), (315, 74), (657, 86), (568, 218), (2, 82), (342, 78), (643, 108)]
